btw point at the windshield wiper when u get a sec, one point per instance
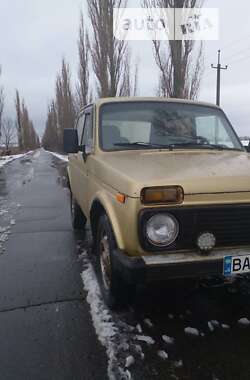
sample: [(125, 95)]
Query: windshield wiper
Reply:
[(190, 144), (142, 144), (201, 146)]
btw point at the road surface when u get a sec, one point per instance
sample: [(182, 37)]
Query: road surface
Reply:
[(45, 326), (54, 324)]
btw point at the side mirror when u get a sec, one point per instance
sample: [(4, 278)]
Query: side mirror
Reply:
[(70, 141)]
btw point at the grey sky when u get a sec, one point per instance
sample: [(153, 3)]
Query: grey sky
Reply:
[(35, 34)]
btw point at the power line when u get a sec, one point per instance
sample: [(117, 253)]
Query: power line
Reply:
[(240, 59), (235, 41)]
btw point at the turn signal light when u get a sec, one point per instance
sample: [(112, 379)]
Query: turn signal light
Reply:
[(121, 198), (156, 195)]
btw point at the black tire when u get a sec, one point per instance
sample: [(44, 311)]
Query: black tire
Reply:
[(78, 219), (117, 293)]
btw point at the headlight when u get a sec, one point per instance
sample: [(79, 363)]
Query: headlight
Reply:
[(162, 229)]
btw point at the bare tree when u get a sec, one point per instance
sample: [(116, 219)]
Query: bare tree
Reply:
[(110, 57), (19, 120), (180, 62), (65, 103), (82, 88), (26, 134), (50, 137), (8, 133), (1, 104)]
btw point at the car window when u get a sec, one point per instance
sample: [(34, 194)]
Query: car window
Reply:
[(87, 139), (79, 128), (213, 130), (134, 125)]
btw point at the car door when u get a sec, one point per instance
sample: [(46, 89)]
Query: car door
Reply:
[(73, 158), (85, 148)]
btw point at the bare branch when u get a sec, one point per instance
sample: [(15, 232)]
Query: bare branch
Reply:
[(180, 63), (110, 57), (8, 133), (82, 88), (1, 104)]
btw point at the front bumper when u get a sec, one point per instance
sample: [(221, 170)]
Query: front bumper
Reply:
[(172, 266)]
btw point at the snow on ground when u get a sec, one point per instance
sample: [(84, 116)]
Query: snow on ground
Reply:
[(244, 322), (7, 159), (191, 331), (145, 338), (168, 339), (162, 354), (113, 337), (60, 156)]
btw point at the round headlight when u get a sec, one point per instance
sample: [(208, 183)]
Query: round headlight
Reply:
[(162, 229)]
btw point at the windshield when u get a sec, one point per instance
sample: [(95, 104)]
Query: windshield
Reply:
[(152, 125)]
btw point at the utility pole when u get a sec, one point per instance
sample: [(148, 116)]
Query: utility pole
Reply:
[(218, 68)]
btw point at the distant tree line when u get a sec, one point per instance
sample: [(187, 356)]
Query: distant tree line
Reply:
[(26, 134), (21, 130), (106, 68)]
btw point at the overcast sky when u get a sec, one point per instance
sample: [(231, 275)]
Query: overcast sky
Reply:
[(36, 34)]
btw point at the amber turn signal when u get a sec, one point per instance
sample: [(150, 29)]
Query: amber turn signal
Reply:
[(121, 198), (159, 195)]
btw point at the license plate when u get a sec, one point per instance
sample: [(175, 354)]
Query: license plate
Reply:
[(236, 265)]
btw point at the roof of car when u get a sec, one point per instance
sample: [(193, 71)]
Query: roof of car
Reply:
[(101, 101)]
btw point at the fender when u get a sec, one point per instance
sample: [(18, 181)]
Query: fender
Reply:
[(107, 201)]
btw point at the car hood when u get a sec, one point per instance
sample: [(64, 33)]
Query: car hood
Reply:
[(198, 172)]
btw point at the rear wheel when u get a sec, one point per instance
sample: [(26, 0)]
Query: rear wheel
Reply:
[(77, 217), (115, 290)]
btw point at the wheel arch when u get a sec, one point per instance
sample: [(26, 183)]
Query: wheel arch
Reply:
[(103, 205)]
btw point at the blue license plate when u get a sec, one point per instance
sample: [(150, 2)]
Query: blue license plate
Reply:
[(236, 265)]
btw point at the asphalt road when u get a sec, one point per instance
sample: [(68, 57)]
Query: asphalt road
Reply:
[(45, 326), (49, 324)]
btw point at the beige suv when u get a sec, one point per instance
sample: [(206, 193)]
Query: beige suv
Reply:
[(165, 185)]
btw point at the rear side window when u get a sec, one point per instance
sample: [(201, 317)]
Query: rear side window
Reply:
[(79, 127), (87, 139)]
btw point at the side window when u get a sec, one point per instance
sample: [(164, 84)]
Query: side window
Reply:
[(79, 127), (88, 132)]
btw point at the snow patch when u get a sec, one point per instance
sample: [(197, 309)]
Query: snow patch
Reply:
[(191, 331), (215, 323), (244, 322), (130, 360), (138, 328), (148, 322), (168, 339), (145, 339), (7, 159), (210, 326), (162, 354), (178, 364), (225, 326), (107, 331), (59, 156)]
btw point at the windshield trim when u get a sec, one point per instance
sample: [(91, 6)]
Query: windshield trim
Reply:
[(166, 102)]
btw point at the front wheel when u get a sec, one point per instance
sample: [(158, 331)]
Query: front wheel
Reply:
[(78, 219), (115, 290)]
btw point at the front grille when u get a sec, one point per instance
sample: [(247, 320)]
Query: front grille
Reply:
[(230, 224)]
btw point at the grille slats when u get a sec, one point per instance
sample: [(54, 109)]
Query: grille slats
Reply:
[(229, 223)]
